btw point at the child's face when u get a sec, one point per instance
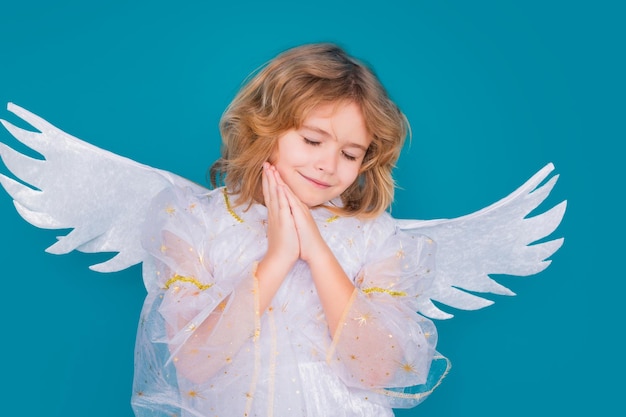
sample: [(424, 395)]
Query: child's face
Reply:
[(321, 159)]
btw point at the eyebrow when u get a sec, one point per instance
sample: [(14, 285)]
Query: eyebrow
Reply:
[(326, 134)]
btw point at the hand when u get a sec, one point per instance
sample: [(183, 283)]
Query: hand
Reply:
[(309, 238), (283, 244), (308, 233), (334, 288)]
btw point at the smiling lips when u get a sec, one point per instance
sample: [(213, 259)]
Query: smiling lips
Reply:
[(319, 184)]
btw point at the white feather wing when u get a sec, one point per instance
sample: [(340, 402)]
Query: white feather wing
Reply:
[(499, 239), (101, 196)]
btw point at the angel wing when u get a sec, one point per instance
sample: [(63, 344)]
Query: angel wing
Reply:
[(101, 196), (495, 240)]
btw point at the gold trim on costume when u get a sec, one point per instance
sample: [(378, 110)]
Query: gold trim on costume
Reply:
[(255, 341), (272, 366), (190, 280), (383, 290), (229, 207)]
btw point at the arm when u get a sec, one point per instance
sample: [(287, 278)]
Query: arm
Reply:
[(205, 307), (331, 282), (203, 336), (206, 320), (283, 246), (382, 342), (378, 340), (217, 339)]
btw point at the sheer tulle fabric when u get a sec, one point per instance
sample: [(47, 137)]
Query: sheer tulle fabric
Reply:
[(204, 348)]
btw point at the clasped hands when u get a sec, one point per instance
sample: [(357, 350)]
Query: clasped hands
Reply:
[(292, 233)]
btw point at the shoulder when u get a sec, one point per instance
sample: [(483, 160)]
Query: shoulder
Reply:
[(215, 207), (187, 206), (380, 227), (367, 233)]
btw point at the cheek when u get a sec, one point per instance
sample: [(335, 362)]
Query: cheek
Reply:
[(293, 155), (349, 174), (285, 150)]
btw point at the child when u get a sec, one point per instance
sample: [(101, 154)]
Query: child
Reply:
[(290, 291), (309, 146)]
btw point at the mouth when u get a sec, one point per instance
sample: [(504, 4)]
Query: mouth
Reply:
[(316, 183)]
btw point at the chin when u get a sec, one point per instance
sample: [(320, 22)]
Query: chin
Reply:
[(314, 200), (312, 203)]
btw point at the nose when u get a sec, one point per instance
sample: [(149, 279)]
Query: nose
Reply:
[(327, 160)]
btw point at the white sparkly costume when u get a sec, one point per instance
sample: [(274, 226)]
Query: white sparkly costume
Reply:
[(284, 361), (203, 347)]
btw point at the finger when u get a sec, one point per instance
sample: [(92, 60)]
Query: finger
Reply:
[(295, 205), (269, 191), (265, 184), (280, 182), (279, 179), (272, 203), (283, 201), (293, 199), (275, 185), (299, 210)]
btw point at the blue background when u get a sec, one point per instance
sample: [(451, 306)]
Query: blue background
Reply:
[(494, 90)]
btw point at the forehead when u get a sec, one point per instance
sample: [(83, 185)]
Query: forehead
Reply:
[(342, 121), (329, 109)]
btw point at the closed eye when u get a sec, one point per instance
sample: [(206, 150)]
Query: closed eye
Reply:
[(311, 142), (348, 156)]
